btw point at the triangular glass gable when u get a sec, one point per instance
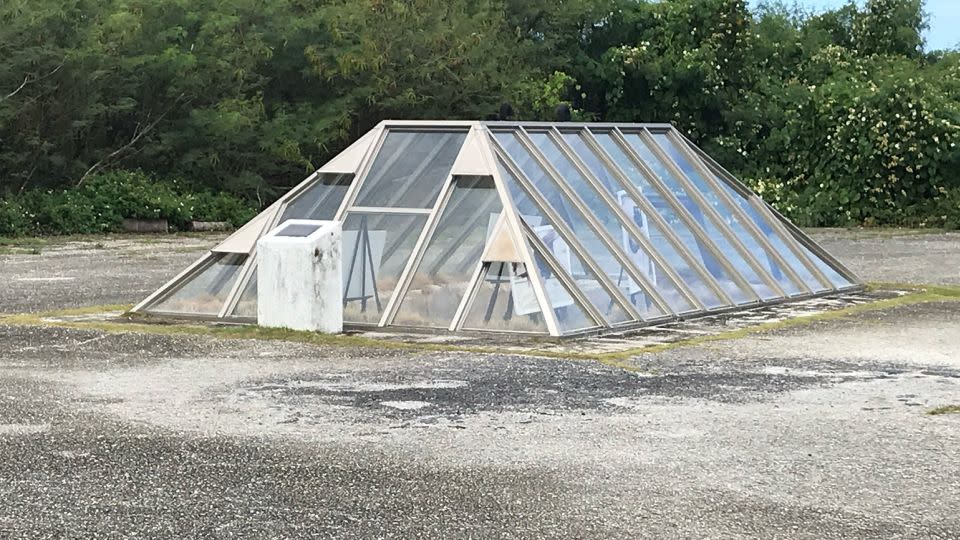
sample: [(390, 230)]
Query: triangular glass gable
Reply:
[(529, 228), (452, 254), (203, 291)]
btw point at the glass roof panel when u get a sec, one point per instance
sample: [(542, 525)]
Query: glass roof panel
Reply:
[(835, 277), (376, 248), (730, 219), (205, 291), (247, 304), (570, 315), (452, 254), (410, 169), (533, 216), (320, 200), (778, 244), (691, 240), (505, 301), (648, 226)]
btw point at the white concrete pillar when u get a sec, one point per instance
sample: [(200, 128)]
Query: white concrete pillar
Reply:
[(300, 276)]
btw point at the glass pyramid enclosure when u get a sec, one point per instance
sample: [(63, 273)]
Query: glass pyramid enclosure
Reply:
[(555, 229)]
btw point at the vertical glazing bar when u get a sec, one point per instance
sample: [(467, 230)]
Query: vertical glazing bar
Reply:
[(612, 245), (718, 220), (648, 209), (732, 206), (164, 291), (234, 296), (380, 134), (772, 218), (403, 283), (567, 281), (461, 314)]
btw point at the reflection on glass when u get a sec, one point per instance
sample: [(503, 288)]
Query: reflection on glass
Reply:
[(835, 277), (205, 292), (778, 244), (410, 169), (452, 254), (643, 223), (505, 301), (247, 304), (570, 315), (320, 200), (694, 243), (376, 248), (750, 242), (536, 218)]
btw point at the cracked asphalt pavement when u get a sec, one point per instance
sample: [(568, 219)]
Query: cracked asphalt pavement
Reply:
[(817, 431)]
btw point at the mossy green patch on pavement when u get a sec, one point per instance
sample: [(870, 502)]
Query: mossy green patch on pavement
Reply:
[(917, 294), (945, 409)]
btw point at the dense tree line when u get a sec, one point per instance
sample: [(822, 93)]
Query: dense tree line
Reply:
[(838, 118)]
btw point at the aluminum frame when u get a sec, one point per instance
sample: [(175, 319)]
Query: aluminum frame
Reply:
[(774, 217), (742, 217), (712, 212), (599, 229), (695, 228), (568, 236), (644, 203), (419, 248), (627, 223), (525, 240)]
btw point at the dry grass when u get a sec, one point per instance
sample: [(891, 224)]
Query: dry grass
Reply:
[(945, 409)]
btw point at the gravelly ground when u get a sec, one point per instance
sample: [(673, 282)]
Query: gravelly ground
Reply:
[(813, 432)]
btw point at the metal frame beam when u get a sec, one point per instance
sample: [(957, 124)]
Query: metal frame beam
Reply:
[(742, 217), (163, 292), (468, 296), (568, 282), (630, 226), (710, 211), (234, 296), (416, 255), (694, 226), (568, 235), (647, 207), (793, 236), (515, 229)]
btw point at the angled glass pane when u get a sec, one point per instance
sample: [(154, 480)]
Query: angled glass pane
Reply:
[(247, 304), (410, 169), (570, 315), (505, 301), (205, 291), (452, 254), (320, 200), (545, 229), (646, 225), (832, 274), (773, 237), (730, 219), (376, 248), (693, 243)]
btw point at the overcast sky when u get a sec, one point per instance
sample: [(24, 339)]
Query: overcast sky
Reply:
[(944, 19)]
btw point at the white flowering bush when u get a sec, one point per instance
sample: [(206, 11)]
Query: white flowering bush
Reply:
[(876, 142)]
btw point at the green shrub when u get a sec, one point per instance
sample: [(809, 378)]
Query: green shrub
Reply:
[(101, 204), (873, 143), (15, 220), (221, 207)]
